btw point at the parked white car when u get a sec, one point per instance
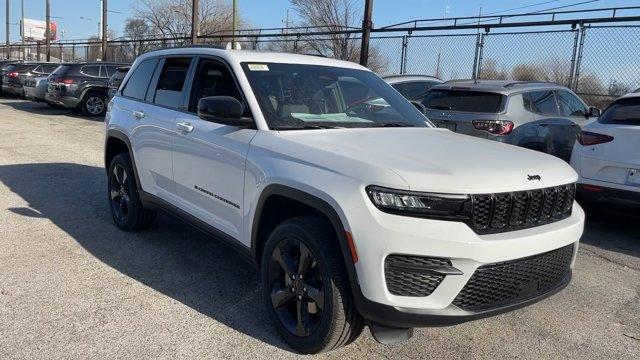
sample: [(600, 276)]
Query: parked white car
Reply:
[(355, 213), (607, 156)]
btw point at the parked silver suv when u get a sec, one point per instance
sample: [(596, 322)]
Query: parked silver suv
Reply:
[(541, 116)]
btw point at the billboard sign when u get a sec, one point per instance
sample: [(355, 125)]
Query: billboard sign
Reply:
[(34, 30)]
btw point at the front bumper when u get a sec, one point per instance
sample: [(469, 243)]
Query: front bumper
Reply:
[(398, 317), (378, 235)]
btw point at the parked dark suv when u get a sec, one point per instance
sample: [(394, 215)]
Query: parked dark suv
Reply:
[(81, 86), (15, 75)]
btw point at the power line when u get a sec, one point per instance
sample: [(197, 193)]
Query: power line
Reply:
[(533, 12)]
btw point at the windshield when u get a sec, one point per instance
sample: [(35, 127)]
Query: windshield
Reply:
[(296, 96)]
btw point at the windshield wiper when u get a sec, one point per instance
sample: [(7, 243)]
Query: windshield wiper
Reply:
[(393, 124), (306, 127)]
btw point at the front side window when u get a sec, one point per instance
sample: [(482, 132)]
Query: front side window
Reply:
[(570, 105), (622, 112), (48, 69), (543, 102), (170, 86), (138, 83), (464, 101), (298, 96), (212, 79)]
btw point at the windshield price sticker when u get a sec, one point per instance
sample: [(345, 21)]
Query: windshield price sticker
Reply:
[(258, 67)]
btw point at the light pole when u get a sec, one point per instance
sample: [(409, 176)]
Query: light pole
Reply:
[(7, 48), (367, 24), (195, 23)]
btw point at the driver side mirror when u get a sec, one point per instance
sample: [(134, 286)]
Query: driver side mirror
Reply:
[(594, 112), (225, 110), (418, 105)]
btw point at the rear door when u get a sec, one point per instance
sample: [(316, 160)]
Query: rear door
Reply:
[(616, 161), (152, 129), (209, 158)]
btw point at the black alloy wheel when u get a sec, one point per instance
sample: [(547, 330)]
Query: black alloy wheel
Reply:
[(297, 292), (119, 193)]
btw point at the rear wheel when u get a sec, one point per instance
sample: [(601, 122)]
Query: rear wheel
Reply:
[(306, 288), (94, 104), (127, 210)]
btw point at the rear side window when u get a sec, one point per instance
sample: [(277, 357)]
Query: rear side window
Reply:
[(138, 83), (90, 70), (170, 86), (622, 112), (61, 70), (464, 100), (542, 102), (414, 90), (48, 69)]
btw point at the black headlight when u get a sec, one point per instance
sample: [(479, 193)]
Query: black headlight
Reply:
[(421, 204)]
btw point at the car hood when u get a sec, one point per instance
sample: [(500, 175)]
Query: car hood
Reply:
[(428, 159)]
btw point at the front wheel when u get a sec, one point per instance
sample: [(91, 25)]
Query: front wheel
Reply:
[(306, 287), (93, 104)]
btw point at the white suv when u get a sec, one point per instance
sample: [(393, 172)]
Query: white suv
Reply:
[(354, 207)]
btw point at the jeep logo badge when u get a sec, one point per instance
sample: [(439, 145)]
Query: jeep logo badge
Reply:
[(533, 177)]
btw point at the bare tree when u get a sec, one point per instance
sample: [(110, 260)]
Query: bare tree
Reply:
[(490, 70), (172, 18), (137, 30), (334, 16)]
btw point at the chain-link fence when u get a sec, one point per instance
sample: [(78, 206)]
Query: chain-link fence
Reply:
[(598, 62)]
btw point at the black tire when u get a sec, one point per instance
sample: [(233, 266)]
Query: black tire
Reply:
[(127, 210), (338, 322), (94, 104)]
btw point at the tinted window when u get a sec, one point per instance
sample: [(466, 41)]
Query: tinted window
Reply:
[(91, 70), (212, 79), (61, 70), (168, 92), (23, 67), (48, 68), (570, 105), (622, 112), (111, 69), (464, 100), (543, 102), (414, 90), (139, 81)]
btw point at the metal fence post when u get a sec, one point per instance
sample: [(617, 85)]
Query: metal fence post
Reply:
[(574, 56), (576, 78), (403, 54), (477, 61), (73, 52)]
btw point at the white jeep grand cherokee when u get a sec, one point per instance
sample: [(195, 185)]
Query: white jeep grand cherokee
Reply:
[(353, 206)]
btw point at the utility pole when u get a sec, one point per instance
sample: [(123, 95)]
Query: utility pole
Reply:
[(47, 33), (367, 24), (234, 23), (195, 23), (105, 8), (24, 49), (7, 48)]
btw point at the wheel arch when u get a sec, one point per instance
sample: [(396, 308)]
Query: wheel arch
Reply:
[(277, 192), (117, 142)]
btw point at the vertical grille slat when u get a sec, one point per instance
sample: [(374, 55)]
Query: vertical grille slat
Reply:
[(493, 213)]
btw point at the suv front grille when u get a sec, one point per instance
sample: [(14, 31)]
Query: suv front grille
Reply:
[(508, 282), (408, 275), (492, 213)]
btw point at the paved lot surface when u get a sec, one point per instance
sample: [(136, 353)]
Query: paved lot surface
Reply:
[(73, 286)]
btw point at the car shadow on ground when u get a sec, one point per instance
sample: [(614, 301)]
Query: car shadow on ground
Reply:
[(171, 257), (44, 109), (612, 231)]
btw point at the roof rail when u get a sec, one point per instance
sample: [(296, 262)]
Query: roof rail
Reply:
[(512, 84)]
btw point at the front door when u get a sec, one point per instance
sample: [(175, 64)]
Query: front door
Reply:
[(209, 159)]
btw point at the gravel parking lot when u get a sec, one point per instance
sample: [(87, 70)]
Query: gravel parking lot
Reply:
[(74, 286)]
